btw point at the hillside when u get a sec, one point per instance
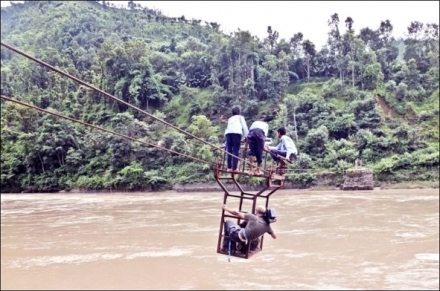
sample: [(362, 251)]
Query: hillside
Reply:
[(364, 96)]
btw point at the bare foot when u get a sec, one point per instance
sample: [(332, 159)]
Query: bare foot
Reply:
[(228, 170), (251, 173), (258, 173), (234, 171)]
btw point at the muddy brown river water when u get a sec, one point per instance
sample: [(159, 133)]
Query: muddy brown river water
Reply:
[(381, 239)]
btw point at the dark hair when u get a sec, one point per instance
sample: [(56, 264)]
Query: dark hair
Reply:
[(235, 111), (281, 130)]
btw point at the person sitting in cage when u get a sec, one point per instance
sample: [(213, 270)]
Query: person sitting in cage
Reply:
[(255, 226), (286, 148)]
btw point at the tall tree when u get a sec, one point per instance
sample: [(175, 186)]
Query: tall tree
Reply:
[(271, 39), (350, 32), (309, 55), (335, 43)]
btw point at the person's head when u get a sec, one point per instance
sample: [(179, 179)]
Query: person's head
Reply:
[(235, 111), (260, 210), (281, 131)]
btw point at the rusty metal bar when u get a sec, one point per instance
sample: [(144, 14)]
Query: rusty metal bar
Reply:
[(241, 197), (269, 185)]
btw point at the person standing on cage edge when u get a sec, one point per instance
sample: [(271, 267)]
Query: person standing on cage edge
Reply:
[(256, 225), (236, 129), (256, 139), (286, 148)]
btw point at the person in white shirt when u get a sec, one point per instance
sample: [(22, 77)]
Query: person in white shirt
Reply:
[(286, 148), (257, 138), (236, 129)]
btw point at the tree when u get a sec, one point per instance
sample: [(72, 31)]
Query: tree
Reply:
[(295, 44), (349, 24), (131, 5), (316, 141), (271, 39), (335, 43), (350, 33), (309, 55), (370, 38), (203, 128), (385, 32)]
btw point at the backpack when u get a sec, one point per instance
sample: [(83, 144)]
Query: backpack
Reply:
[(271, 215)]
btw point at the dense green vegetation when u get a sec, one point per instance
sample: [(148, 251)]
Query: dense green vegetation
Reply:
[(364, 95)]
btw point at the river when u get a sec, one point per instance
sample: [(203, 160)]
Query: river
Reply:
[(380, 239)]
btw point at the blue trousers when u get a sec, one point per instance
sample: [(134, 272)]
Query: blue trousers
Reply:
[(256, 140), (274, 154), (231, 232), (233, 141)]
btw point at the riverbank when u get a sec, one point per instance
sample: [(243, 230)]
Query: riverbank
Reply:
[(214, 187), (208, 187)]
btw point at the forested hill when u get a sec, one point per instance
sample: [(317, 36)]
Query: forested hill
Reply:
[(363, 95)]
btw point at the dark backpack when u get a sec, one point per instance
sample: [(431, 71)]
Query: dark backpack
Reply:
[(271, 216)]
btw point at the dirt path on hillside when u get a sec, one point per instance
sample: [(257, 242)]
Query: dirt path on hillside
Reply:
[(386, 109)]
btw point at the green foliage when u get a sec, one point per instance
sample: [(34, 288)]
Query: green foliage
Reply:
[(132, 177), (416, 160), (190, 73), (304, 180), (316, 141)]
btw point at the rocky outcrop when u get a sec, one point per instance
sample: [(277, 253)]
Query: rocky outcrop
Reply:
[(358, 179)]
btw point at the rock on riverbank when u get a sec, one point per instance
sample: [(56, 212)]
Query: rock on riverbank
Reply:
[(358, 179)]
